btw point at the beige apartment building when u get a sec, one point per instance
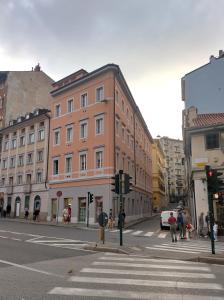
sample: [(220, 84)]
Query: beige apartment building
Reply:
[(204, 145), (24, 163), (176, 174), (97, 130), (158, 177)]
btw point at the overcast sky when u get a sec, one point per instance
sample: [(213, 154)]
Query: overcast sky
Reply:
[(155, 43)]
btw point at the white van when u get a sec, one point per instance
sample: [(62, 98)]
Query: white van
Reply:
[(165, 216)]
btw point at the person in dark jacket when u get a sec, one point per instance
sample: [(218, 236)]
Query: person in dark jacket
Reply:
[(180, 224)]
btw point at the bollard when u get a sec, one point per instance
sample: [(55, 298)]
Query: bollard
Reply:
[(101, 234)]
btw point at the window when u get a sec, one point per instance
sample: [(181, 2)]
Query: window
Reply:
[(29, 159), (212, 140), (70, 106), (6, 145), (55, 166), (22, 141), (68, 164), (40, 155), (84, 100), (4, 163), (41, 135), (3, 181), (20, 179), (12, 162), (99, 94), (28, 178), (122, 105), (21, 160), (39, 177), (69, 134), (123, 133), (116, 96), (83, 161), (117, 127), (56, 137), (99, 159), (11, 180), (57, 110), (31, 138), (13, 144), (99, 125), (83, 130)]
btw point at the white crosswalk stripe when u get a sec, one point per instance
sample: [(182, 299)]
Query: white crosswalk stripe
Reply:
[(141, 233), (118, 276), (193, 247), (59, 242)]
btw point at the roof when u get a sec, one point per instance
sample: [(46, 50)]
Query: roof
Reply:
[(204, 120)]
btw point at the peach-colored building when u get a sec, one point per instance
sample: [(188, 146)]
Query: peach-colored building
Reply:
[(96, 130)]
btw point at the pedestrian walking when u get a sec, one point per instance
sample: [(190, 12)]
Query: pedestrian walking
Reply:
[(8, 210), (180, 224), (26, 214), (65, 215), (207, 220), (215, 231), (201, 224), (69, 213), (173, 225), (111, 220)]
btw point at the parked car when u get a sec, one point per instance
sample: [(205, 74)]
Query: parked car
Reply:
[(164, 218)]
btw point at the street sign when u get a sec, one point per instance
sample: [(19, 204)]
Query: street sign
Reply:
[(59, 193)]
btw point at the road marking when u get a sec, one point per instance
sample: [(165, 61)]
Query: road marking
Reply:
[(57, 240), (125, 294), (176, 247), (150, 233), (156, 266), (3, 237), (29, 268), (14, 239), (142, 259), (114, 230), (137, 232), (128, 231), (170, 250), (148, 273), (162, 235), (142, 282)]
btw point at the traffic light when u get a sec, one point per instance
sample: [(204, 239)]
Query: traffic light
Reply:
[(116, 184), (127, 184), (214, 183), (90, 197)]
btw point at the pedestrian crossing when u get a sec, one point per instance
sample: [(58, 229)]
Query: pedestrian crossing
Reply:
[(189, 246), (116, 276), (158, 234), (59, 242)]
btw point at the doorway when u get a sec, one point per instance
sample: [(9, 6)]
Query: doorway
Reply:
[(17, 207)]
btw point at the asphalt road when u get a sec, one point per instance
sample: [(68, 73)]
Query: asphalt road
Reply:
[(48, 262)]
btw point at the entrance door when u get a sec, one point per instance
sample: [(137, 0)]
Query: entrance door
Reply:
[(82, 210), (54, 208), (17, 206)]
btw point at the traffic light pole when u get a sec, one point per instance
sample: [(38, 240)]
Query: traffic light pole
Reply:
[(211, 217), (87, 222), (121, 207)]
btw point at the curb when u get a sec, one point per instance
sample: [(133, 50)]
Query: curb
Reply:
[(105, 249), (208, 260)]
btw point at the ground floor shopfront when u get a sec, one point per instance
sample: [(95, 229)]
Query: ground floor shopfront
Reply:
[(136, 204)]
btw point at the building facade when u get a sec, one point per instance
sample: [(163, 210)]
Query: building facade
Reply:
[(21, 90), (24, 164), (158, 177), (204, 145), (203, 87), (174, 155), (97, 130)]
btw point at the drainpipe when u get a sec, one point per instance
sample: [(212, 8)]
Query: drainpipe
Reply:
[(47, 151)]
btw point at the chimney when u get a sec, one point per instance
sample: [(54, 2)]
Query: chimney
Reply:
[(221, 53), (191, 115), (212, 58), (37, 68)]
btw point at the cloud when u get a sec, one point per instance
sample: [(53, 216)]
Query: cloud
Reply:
[(147, 38)]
